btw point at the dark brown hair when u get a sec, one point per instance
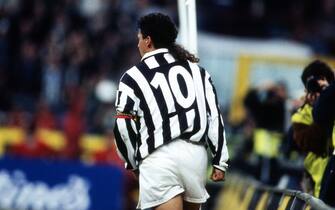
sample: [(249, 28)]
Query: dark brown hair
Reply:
[(163, 33), (317, 69)]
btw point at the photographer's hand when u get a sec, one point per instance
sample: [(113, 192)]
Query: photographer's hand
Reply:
[(311, 97)]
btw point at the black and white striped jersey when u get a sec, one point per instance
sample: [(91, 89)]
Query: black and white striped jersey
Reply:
[(171, 100)]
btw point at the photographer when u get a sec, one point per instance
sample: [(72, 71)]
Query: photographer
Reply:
[(324, 118), (316, 77), (308, 133)]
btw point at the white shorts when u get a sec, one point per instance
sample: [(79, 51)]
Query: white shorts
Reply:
[(179, 167)]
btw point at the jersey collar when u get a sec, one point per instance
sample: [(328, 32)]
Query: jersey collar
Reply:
[(151, 53)]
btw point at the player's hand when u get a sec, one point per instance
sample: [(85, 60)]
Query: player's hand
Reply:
[(217, 175), (136, 174)]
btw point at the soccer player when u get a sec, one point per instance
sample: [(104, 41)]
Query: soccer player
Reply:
[(167, 115)]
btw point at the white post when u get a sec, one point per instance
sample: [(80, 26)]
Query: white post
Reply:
[(188, 25)]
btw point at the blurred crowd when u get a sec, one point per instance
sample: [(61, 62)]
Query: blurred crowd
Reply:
[(59, 66), (311, 22), (56, 60), (290, 143)]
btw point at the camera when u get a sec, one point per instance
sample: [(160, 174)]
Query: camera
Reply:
[(312, 85)]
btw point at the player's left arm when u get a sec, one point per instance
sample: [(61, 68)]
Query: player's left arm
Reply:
[(216, 132)]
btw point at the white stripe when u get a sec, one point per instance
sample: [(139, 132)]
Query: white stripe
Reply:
[(215, 121), (133, 126), (190, 115), (151, 62), (122, 102), (224, 153), (159, 80), (126, 92), (126, 89), (210, 96), (200, 101), (168, 57), (144, 151), (144, 135), (121, 123), (151, 53), (152, 104), (214, 118)]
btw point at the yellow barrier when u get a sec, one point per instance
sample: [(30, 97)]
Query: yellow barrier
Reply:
[(262, 203), (90, 144), (54, 139), (241, 193), (10, 136), (284, 203)]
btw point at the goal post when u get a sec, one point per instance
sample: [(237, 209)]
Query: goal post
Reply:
[(188, 25)]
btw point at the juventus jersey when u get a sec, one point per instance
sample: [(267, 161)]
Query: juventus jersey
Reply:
[(167, 99)]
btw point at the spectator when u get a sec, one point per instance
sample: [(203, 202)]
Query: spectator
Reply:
[(266, 107), (52, 78)]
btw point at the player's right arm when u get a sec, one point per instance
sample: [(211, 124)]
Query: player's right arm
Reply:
[(125, 131)]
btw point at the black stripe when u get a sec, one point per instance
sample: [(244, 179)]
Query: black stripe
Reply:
[(128, 80), (162, 105), (203, 76), (216, 159), (145, 107), (118, 98), (180, 110), (139, 140), (161, 60), (221, 139), (182, 120), (197, 123), (129, 105), (211, 147), (121, 146), (209, 142), (131, 133), (161, 102)]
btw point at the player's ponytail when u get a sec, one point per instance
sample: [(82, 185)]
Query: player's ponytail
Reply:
[(182, 54)]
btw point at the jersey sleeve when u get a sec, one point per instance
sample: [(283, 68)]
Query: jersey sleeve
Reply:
[(126, 100), (216, 131), (125, 130)]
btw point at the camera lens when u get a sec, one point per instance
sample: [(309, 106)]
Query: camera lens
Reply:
[(313, 86)]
